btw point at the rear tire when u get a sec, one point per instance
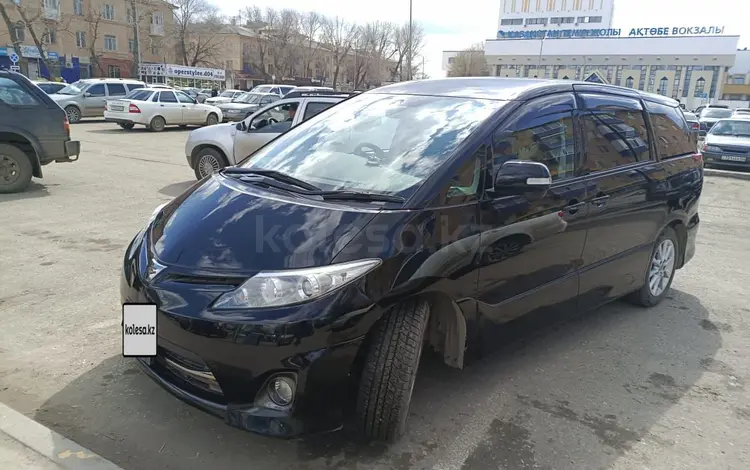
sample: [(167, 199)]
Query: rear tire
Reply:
[(389, 372), (660, 272), (183, 126), (209, 161), (212, 119), (15, 169), (127, 126), (157, 124)]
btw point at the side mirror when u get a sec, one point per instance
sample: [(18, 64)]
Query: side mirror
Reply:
[(519, 177), (240, 126), (87, 95)]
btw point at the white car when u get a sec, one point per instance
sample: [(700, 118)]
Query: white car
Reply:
[(157, 108), (224, 97)]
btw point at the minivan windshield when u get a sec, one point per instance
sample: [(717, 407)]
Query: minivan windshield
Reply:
[(74, 88), (734, 128), (375, 142), (716, 113)]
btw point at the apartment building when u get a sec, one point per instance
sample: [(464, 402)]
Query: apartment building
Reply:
[(86, 38)]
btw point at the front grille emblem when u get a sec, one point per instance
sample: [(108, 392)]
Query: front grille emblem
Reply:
[(154, 268)]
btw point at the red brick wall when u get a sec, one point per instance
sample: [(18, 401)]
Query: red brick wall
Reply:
[(124, 65)]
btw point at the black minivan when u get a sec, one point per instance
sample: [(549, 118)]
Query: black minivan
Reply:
[(310, 276)]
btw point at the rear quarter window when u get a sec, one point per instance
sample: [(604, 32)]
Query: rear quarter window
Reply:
[(13, 93), (142, 95), (671, 133)]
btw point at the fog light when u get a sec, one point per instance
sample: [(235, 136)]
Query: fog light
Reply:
[(281, 390)]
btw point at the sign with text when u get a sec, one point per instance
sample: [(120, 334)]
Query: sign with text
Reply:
[(182, 71), (664, 31), (139, 330)]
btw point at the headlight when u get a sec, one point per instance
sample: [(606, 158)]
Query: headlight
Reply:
[(278, 288), (711, 148)]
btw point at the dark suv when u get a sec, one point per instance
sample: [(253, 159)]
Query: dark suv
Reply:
[(420, 213), (34, 131)]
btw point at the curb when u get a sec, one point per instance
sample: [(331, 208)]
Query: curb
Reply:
[(63, 452), (726, 174)]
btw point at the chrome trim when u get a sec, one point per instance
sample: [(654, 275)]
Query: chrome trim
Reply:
[(201, 376)]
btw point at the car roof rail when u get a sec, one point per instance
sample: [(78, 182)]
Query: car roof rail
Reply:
[(303, 94)]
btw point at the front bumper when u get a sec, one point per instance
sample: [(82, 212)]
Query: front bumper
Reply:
[(223, 365)]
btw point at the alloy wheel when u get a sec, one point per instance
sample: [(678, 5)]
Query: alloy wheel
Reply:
[(73, 114), (208, 164), (662, 267)]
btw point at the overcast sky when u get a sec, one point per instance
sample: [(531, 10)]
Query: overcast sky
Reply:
[(456, 25)]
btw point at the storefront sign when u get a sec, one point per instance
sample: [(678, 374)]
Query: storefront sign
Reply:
[(181, 71), (30, 52), (664, 31), (151, 70)]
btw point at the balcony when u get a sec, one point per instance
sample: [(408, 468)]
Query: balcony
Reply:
[(157, 29), (51, 13)]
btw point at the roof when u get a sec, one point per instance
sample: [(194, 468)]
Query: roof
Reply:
[(508, 89)]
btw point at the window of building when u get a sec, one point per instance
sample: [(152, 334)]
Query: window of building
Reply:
[(110, 43), (663, 86), (50, 36), (130, 16), (155, 49), (167, 97), (615, 132), (78, 7), (567, 20), (131, 46), (108, 13), (313, 109), (19, 32), (13, 94), (511, 21), (541, 131), (670, 131), (96, 90), (700, 87), (536, 21), (451, 60), (81, 39), (115, 89), (629, 82), (157, 17), (737, 80), (589, 19)]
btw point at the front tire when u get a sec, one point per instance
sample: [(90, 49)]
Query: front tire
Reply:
[(212, 119), (157, 124), (208, 162), (73, 113), (660, 272), (390, 370), (15, 169), (128, 126)]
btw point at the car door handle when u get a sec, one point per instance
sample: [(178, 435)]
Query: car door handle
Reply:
[(573, 207), (600, 201)]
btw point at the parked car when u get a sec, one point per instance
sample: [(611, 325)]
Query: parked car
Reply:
[(195, 94), (310, 89), (87, 98), (245, 105), (224, 97), (741, 112), (709, 116), (728, 143), (34, 132), (293, 281), (693, 121), (280, 90), (699, 109), (210, 150), (50, 87), (157, 108)]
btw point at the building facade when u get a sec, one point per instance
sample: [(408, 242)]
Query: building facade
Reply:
[(737, 85), (85, 38), (520, 15)]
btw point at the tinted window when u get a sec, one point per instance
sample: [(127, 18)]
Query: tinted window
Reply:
[(716, 113), (139, 95), (116, 89), (96, 90), (671, 134), (167, 97), (11, 93), (465, 184), (183, 98), (733, 128), (541, 131), (615, 132), (313, 109)]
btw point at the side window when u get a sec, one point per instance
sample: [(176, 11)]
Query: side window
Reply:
[(541, 131), (615, 132), (167, 97), (313, 109), (116, 89), (466, 182), (671, 133), (13, 94), (96, 90), (275, 90), (183, 97), (279, 113)]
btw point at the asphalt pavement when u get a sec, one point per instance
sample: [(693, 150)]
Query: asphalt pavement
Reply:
[(618, 388)]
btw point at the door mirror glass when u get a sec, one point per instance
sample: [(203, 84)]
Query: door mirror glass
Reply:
[(240, 126), (520, 177), (87, 95)]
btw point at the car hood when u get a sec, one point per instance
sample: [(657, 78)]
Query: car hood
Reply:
[(59, 97), (218, 99), (711, 119), (728, 140), (224, 225), (239, 106)]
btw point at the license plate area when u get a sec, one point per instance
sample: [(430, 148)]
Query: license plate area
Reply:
[(117, 108), (732, 158)]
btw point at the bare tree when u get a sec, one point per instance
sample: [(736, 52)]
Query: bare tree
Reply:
[(93, 18), (139, 11), (405, 50), (256, 22), (339, 36), (469, 63), (311, 26), (283, 33), (198, 35), (383, 37), (11, 28)]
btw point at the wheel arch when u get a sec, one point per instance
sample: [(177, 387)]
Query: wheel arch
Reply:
[(197, 150), (681, 230), (28, 145)]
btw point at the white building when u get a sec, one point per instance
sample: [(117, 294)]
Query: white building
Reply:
[(736, 91), (520, 15)]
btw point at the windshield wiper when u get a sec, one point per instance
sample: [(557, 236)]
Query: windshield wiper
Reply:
[(273, 174), (348, 195)]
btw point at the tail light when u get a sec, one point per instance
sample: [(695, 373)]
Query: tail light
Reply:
[(66, 125), (698, 157), (696, 126), (133, 108)]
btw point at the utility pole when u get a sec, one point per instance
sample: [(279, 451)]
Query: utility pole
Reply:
[(137, 34), (408, 73)]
